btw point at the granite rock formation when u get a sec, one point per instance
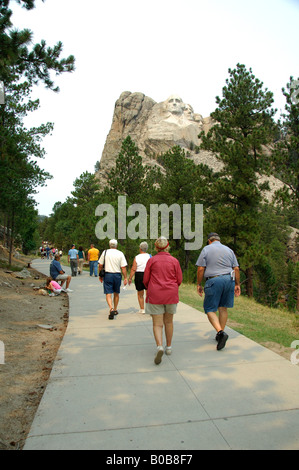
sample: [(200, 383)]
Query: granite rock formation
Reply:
[(156, 128)]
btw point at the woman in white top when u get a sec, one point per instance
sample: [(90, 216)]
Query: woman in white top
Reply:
[(138, 268)]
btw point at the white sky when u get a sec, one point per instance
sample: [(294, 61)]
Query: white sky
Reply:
[(157, 47)]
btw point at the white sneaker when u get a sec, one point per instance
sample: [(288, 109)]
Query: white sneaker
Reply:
[(159, 354), (168, 351), (68, 291)]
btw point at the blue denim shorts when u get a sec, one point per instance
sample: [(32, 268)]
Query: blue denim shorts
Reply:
[(112, 283), (219, 292)]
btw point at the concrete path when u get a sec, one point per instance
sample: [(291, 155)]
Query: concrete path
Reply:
[(105, 392)]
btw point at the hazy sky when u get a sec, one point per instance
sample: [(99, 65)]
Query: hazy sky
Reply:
[(157, 47)]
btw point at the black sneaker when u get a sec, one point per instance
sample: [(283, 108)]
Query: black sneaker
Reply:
[(222, 338), (111, 315)]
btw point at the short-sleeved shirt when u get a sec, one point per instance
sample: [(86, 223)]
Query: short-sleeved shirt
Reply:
[(73, 253), (114, 261), (55, 285), (93, 254), (218, 260), (141, 261), (162, 278), (55, 269)]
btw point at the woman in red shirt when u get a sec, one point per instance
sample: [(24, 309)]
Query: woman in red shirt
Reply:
[(162, 278)]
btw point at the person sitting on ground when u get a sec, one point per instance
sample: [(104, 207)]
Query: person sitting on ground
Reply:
[(138, 268), (53, 286), (57, 274)]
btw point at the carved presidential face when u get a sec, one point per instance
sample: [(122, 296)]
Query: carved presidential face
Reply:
[(188, 111), (175, 105)]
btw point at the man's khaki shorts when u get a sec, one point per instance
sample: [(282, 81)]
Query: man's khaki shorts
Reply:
[(61, 277)]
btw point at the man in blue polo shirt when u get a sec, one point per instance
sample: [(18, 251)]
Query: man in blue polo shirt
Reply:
[(219, 265), (57, 274)]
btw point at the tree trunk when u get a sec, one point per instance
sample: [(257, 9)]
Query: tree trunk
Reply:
[(187, 259), (249, 282), (11, 239), (5, 231)]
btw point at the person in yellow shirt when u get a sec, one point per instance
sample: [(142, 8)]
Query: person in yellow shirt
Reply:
[(93, 258)]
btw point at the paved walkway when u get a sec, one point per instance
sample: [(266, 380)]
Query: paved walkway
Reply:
[(105, 392)]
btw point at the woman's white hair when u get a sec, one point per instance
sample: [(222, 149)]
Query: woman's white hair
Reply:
[(162, 244), (143, 247)]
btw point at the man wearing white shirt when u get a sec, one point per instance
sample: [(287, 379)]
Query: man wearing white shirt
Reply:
[(115, 264)]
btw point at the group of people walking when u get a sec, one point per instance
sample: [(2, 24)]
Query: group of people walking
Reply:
[(49, 253), (76, 260), (160, 277)]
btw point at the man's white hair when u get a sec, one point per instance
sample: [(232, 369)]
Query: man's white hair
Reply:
[(113, 243)]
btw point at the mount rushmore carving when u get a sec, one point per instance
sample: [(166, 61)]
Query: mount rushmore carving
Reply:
[(156, 128)]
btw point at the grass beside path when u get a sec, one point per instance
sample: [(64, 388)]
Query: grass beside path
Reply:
[(273, 328), (270, 327)]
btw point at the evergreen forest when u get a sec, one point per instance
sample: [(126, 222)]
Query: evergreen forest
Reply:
[(247, 139)]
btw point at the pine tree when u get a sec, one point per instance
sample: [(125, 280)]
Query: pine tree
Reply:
[(20, 60), (130, 177), (244, 126), (19, 174), (286, 154), (22, 65), (176, 186)]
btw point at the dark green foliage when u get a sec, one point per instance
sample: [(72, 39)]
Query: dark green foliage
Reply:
[(22, 65), (233, 199), (244, 126), (130, 177), (19, 60), (286, 154), (293, 285)]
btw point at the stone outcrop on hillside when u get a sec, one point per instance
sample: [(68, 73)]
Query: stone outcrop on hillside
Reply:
[(156, 128)]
